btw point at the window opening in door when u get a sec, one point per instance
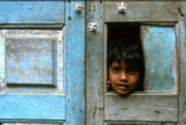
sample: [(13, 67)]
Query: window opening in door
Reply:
[(125, 59)]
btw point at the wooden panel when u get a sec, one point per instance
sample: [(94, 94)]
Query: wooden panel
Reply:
[(21, 107), (141, 107), (74, 64), (40, 53), (182, 8), (31, 124), (32, 12), (94, 65), (2, 63), (181, 34), (159, 44), (20, 103), (30, 61), (151, 11), (33, 57), (142, 123)]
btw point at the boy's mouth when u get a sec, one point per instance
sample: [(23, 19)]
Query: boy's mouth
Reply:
[(123, 86)]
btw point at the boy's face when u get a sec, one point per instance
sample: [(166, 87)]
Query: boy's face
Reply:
[(122, 79)]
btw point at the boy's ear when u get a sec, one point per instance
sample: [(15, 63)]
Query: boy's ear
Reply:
[(108, 82)]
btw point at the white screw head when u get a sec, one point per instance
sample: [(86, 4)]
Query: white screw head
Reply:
[(122, 7), (92, 27), (78, 8)]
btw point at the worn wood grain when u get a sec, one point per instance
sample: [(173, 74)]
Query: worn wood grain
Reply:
[(31, 124), (22, 107), (141, 107), (142, 11), (182, 8), (181, 34), (149, 108), (32, 12), (30, 103), (30, 56), (74, 64), (94, 64), (159, 44), (43, 103), (30, 61), (2, 63), (142, 123), (182, 48)]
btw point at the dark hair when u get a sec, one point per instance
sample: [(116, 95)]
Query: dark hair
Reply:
[(130, 50)]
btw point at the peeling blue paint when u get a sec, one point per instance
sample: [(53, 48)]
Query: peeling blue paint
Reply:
[(160, 58), (27, 12)]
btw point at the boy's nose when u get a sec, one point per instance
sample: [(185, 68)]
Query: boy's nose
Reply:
[(123, 75)]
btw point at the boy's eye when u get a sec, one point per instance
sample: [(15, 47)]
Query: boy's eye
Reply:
[(133, 71), (115, 69)]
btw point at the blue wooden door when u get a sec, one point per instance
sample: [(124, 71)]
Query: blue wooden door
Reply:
[(42, 62), (162, 35)]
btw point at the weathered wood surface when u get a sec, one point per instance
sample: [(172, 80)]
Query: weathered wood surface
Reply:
[(142, 123), (31, 124), (32, 12), (74, 64), (32, 108), (141, 11), (62, 90), (181, 34), (141, 107), (30, 61), (31, 103), (94, 65), (182, 8), (159, 45), (31, 58), (163, 105)]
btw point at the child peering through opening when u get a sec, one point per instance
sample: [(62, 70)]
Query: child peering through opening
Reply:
[(125, 66)]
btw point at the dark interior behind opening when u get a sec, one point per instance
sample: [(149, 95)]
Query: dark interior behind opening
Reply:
[(128, 30)]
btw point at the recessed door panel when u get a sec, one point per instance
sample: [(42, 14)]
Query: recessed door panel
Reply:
[(30, 61), (31, 81), (39, 77)]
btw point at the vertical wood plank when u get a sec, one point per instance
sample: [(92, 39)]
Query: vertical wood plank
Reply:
[(94, 64), (181, 34), (74, 52), (2, 62)]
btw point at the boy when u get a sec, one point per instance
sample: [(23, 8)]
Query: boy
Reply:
[(125, 66)]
